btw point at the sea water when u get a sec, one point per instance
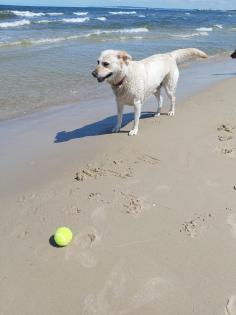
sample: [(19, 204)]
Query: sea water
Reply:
[(47, 53)]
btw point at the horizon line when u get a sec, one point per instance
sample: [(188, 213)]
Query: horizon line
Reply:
[(121, 6)]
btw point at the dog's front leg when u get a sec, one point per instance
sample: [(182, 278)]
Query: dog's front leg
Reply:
[(120, 108), (137, 113)]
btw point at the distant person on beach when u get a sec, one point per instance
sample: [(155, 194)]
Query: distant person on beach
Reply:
[(233, 55)]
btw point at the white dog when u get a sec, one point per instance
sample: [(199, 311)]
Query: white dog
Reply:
[(134, 81)]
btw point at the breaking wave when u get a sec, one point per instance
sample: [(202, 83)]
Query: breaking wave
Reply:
[(122, 12), (44, 21), (218, 26), (124, 30), (27, 13), (186, 36), (14, 24), (55, 13), (75, 37), (204, 29), (102, 18), (80, 13), (76, 20)]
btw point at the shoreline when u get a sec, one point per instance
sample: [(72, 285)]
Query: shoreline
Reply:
[(153, 217), (219, 61), (32, 145)]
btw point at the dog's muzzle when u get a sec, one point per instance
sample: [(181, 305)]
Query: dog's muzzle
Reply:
[(101, 79)]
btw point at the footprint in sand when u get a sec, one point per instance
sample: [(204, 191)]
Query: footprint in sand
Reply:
[(230, 308), (98, 218), (89, 172), (131, 204), (149, 159), (152, 289), (226, 127), (225, 138), (195, 226), (114, 297), (113, 168), (120, 168), (228, 152), (104, 302), (97, 197), (82, 248), (84, 243), (227, 130)]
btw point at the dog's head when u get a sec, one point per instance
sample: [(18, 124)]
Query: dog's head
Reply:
[(111, 66), (233, 55)]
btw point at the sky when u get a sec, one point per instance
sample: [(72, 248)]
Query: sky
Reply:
[(188, 4)]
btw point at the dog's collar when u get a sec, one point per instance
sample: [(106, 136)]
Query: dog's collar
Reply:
[(119, 83)]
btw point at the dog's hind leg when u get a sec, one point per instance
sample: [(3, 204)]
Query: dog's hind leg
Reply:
[(159, 101), (170, 84), (171, 94)]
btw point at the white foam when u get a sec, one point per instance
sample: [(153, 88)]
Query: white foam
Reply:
[(120, 31), (204, 33), (52, 40), (102, 18), (37, 41), (43, 41), (204, 29), (6, 44), (186, 36), (130, 37), (44, 21), (187, 13), (76, 20), (218, 26), (80, 13), (14, 24), (55, 13), (142, 16), (27, 13), (47, 40), (122, 12)]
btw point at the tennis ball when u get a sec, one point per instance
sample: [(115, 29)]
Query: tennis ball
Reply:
[(63, 236)]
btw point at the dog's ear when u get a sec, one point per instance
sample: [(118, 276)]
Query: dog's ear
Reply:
[(123, 55)]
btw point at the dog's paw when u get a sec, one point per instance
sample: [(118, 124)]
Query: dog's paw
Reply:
[(157, 114), (133, 132), (116, 129), (171, 113)]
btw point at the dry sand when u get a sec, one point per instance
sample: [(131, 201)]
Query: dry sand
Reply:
[(153, 216)]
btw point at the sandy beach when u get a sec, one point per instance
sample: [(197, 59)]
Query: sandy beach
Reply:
[(153, 216)]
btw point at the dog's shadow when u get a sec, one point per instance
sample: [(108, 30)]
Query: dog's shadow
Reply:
[(97, 128)]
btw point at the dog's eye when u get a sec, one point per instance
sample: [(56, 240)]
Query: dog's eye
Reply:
[(98, 62), (105, 64)]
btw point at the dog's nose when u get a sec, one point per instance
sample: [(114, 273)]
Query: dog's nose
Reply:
[(94, 73)]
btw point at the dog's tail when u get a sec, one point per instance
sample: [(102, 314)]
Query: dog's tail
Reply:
[(181, 55)]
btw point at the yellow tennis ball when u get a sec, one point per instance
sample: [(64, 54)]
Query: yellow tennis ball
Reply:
[(63, 236)]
